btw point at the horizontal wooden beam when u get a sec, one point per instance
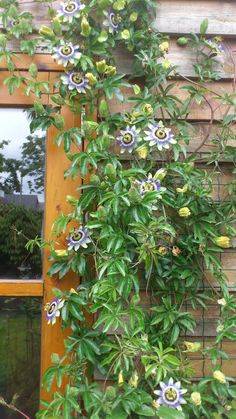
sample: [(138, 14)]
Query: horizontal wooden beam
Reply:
[(200, 112), (21, 288), (183, 17), (173, 16), (183, 58), (43, 60)]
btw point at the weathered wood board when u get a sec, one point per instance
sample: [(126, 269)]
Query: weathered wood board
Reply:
[(200, 112), (185, 16)]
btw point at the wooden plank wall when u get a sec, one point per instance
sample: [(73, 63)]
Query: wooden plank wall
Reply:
[(176, 18)]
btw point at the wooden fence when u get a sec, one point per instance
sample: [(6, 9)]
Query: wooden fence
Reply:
[(176, 18)]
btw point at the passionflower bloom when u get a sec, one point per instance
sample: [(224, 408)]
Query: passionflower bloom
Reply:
[(70, 9), (127, 139), (79, 238), (75, 81), (53, 310), (170, 394), (149, 185), (159, 135), (66, 53), (215, 46), (111, 21)]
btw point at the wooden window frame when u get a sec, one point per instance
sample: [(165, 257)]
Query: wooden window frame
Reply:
[(56, 190)]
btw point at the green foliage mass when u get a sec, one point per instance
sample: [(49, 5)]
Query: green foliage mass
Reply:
[(17, 225), (150, 223)]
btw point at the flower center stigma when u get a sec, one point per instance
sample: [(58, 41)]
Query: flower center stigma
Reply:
[(114, 19), (76, 78), (78, 236), (70, 7), (66, 50), (160, 133), (149, 186), (127, 138), (171, 394), (51, 308)]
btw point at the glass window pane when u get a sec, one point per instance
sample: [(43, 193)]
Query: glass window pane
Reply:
[(20, 320), (22, 167)]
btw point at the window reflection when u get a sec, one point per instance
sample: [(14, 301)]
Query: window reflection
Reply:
[(20, 320), (22, 168)]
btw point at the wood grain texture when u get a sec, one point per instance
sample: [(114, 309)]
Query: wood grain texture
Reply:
[(21, 288), (57, 188), (184, 58), (43, 61), (19, 97), (173, 16), (200, 112), (181, 16)]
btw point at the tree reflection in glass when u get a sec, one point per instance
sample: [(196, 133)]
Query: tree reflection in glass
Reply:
[(22, 168)]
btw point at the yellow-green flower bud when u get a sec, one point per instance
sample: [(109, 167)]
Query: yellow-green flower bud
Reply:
[(222, 241), (176, 251), (160, 174), (222, 302), (192, 346), (164, 46), (184, 212), (125, 34), (119, 4), (91, 78), (166, 63), (162, 250), (72, 291), (61, 253), (71, 200), (135, 114), (133, 17), (133, 381), (155, 404), (85, 27), (142, 152), (136, 89), (196, 398), (147, 109), (46, 32), (182, 190), (110, 70), (219, 376), (120, 379), (101, 66)]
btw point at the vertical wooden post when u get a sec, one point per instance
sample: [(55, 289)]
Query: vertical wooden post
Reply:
[(57, 188)]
